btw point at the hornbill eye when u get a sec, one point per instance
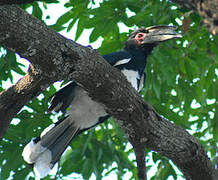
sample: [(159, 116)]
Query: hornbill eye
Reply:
[(139, 35)]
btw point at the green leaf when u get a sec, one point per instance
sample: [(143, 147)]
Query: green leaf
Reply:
[(65, 18), (94, 35), (51, 1), (80, 28), (57, 27), (182, 66), (37, 12), (70, 26), (87, 169), (156, 86)]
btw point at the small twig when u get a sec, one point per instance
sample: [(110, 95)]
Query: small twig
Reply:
[(189, 45)]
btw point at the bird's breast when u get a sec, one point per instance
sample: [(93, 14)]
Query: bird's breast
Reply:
[(85, 112), (132, 76)]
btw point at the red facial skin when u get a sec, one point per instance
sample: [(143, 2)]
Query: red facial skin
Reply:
[(140, 37)]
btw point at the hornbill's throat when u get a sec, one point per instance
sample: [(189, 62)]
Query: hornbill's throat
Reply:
[(154, 34)]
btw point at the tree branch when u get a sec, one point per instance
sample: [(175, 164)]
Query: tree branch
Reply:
[(55, 58), (14, 98), (188, 4), (207, 9), (140, 160), (5, 2)]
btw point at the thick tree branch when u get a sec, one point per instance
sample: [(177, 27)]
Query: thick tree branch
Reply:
[(55, 58), (207, 9), (14, 98), (5, 2)]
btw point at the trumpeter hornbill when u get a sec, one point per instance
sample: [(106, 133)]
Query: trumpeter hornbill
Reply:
[(43, 152)]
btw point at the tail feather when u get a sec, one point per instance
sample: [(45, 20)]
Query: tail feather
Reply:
[(62, 142), (49, 137), (44, 152)]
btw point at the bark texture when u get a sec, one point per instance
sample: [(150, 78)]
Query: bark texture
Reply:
[(16, 1), (207, 9), (55, 58)]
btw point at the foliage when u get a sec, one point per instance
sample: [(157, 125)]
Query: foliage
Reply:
[(181, 85)]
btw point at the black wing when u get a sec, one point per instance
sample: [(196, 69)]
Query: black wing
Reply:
[(62, 99), (117, 58)]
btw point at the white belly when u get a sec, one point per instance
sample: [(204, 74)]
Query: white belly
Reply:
[(85, 112), (132, 77)]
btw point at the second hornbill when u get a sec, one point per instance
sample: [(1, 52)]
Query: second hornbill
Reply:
[(43, 152)]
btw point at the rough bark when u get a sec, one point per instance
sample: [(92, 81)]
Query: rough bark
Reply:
[(15, 97), (207, 9), (54, 58), (4, 2)]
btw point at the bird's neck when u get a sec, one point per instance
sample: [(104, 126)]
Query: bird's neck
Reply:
[(132, 46), (138, 60)]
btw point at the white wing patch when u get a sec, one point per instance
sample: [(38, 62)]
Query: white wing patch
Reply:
[(132, 77), (123, 61)]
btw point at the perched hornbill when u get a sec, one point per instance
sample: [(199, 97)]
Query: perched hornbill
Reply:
[(43, 152)]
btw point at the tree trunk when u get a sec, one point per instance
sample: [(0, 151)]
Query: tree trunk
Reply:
[(207, 9)]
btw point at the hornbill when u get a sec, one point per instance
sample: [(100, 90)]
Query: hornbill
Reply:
[(84, 113)]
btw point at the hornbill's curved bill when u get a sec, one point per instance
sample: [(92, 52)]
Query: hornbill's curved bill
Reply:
[(155, 34)]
